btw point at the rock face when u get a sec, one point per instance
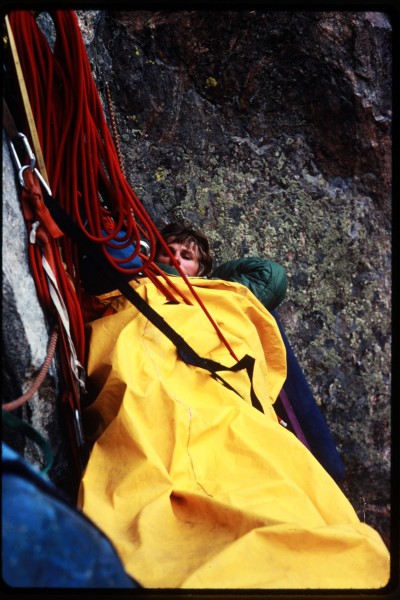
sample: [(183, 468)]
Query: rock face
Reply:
[(25, 338), (271, 132)]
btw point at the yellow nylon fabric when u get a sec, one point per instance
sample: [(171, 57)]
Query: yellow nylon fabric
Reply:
[(194, 486)]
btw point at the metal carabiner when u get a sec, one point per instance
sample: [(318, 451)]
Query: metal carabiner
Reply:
[(20, 175), (31, 156), (41, 179), (145, 248)]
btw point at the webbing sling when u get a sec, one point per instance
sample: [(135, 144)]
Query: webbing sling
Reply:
[(185, 351)]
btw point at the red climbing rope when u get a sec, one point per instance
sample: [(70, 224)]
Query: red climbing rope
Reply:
[(78, 149), (14, 404), (81, 159)]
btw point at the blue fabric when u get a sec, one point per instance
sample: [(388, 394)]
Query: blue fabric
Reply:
[(309, 414), (120, 253), (46, 542), (93, 279)]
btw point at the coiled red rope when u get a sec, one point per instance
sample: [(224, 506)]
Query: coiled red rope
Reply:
[(82, 163)]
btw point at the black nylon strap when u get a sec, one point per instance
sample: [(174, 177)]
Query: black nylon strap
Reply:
[(185, 352)]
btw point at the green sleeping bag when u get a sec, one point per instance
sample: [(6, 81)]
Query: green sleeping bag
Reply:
[(265, 278)]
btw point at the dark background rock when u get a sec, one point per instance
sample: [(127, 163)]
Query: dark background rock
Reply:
[(271, 132)]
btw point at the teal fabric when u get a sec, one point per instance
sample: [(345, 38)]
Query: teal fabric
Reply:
[(265, 278), (167, 269)]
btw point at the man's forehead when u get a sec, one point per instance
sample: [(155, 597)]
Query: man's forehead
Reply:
[(187, 244)]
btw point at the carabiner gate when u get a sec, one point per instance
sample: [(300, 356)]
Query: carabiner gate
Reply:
[(32, 163), (31, 156)]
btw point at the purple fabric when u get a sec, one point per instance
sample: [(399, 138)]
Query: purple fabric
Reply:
[(293, 419)]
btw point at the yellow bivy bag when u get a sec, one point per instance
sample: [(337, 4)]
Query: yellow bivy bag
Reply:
[(195, 487)]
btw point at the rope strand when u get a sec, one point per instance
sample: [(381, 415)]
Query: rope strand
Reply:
[(14, 404), (82, 156)]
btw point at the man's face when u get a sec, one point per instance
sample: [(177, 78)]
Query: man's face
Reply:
[(186, 256)]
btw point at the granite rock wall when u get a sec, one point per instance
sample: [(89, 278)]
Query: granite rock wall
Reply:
[(271, 132)]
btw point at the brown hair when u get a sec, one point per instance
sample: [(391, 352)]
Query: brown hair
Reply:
[(185, 234)]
